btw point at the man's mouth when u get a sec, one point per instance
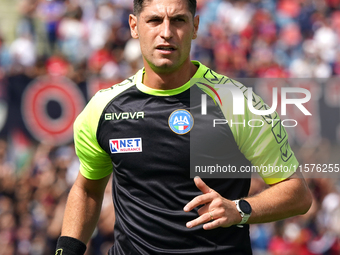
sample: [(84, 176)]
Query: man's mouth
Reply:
[(166, 48)]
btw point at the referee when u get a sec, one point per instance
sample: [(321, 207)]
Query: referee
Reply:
[(144, 130)]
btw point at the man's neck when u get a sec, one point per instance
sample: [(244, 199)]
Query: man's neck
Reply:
[(167, 81)]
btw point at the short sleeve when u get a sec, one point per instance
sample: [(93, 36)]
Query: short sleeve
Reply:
[(95, 163), (262, 139)]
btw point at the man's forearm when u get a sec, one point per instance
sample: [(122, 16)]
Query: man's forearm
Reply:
[(81, 215), (282, 200), (82, 210), (285, 199)]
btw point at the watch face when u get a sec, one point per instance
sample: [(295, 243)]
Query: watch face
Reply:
[(245, 206)]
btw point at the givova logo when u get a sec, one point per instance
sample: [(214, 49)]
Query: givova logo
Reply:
[(181, 121), (125, 145)]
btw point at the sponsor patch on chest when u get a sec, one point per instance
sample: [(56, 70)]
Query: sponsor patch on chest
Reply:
[(125, 145)]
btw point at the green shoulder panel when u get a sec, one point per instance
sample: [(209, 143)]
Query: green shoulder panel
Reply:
[(95, 163), (262, 139)]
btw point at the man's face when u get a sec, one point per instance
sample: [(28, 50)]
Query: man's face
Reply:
[(165, 29)]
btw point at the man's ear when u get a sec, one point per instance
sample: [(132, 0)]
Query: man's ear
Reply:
[(133, 26), (196, 23)]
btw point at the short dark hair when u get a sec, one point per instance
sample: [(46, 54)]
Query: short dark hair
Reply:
[(138, 6)]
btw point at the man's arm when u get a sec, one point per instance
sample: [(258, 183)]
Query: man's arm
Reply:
[(282, 200), (83, 207)]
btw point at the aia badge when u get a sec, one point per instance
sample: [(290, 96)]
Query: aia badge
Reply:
[(125, 145), (181, 121)]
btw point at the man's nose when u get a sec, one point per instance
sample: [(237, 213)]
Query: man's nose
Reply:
[(166, 31)]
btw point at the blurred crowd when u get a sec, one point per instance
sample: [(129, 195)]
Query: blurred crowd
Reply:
[(32, 201), (85, 39)]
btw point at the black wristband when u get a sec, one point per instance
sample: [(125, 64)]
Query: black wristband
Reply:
[(70, 246)]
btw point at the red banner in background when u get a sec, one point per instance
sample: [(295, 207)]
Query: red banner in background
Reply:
[(49, 107)]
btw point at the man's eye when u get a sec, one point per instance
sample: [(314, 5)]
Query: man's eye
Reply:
[(179, 20), (154, 20)]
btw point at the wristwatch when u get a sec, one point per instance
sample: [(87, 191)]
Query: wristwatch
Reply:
[(244, 208)]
